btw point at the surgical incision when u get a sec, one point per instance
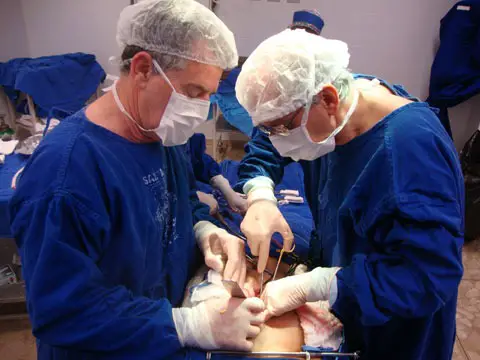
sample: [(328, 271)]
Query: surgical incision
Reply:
[(311, 325)]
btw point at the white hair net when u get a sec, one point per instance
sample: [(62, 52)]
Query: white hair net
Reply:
[(182, 28), (287, 70)]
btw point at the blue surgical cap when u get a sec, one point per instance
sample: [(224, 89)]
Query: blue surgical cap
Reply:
[(309, 19)]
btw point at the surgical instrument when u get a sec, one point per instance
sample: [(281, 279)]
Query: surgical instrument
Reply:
[(234, 289), (299, 355), (261, 283)]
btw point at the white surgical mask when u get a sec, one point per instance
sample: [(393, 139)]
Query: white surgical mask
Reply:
[(180, 118), (298, 145)]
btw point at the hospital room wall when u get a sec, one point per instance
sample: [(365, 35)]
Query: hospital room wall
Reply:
[(13, 35), (395, 40), (62, 26)]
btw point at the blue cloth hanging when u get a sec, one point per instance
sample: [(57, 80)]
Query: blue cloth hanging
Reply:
[(60, 81), (232, 111), (455, 75)]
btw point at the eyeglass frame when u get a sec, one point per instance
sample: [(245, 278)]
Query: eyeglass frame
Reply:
[(284, 129)]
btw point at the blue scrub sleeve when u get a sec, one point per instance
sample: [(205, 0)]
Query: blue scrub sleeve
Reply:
[(261, 159), (76, 307), (200, 211), (417, 270), (204, 166)]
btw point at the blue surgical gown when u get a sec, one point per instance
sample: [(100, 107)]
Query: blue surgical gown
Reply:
[(388, 209), (204, 166), (107, 245)]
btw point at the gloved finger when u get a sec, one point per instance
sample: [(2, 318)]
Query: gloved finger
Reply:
[(263, 255), (215, 244), (266, 295), (268, 316), (252, 237), (243, 272), (254, 305), (259, 318), (240, 272), (300, 269), (214, 262), (234, 249), (287, 235), (253, 332), (230, 268), (253, 244), (249, 290), (244, 345)]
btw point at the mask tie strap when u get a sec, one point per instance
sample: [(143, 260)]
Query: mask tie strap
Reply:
[(122, 108), (160, 71), (349, 114)]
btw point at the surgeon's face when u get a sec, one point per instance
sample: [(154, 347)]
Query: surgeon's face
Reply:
[(321, 117), (196, 81)]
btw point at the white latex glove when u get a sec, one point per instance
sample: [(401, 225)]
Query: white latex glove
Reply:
[(220, 323), (300, 269), (290, 293), (235, 200), (263, 219), (223, 252), (209, 200)]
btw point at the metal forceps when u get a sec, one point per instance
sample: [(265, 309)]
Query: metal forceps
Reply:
[(282, 251)]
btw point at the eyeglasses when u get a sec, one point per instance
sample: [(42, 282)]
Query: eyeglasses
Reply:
[(280, 130)]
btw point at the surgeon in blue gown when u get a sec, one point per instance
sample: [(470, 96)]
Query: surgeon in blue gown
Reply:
[(105, 214), (308, 20), (385, 188), (207, 172), (205, 168)]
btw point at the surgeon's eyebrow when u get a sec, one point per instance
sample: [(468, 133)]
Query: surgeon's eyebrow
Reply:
[(199, 89)]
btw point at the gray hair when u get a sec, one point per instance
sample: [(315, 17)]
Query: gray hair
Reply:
[(343, 83), (166, 62)]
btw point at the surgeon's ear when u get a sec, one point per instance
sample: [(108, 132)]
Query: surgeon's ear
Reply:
[(329, 98), (141, 69)]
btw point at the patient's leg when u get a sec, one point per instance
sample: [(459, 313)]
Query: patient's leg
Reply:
[(282, 333)]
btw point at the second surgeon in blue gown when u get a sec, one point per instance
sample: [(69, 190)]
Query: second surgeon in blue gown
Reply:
[(208, 172), (385, 188)]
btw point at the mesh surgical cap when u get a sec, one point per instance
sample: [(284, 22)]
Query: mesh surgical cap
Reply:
[(286, 71), (182, 28)]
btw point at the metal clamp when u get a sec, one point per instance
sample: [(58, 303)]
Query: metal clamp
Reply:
[(302, 355)]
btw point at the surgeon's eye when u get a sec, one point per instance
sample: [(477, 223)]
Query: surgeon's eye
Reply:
[(196, 92), (275, 130)]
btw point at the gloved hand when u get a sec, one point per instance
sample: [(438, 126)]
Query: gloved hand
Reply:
[(300, 269), (223, 252), (289, 293), (208, 200), (263, 219), (220, 323), (235, 200)]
